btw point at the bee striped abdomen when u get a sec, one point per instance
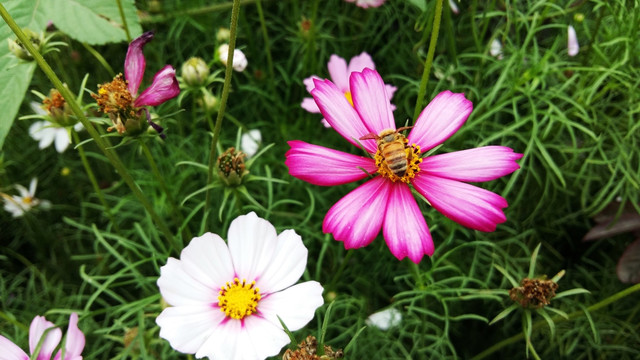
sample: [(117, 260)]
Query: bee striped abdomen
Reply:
[(395, 157)]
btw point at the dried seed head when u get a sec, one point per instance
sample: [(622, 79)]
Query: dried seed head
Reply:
[(534, 293)]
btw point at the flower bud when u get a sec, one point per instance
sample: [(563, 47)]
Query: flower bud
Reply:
[(18, 49), (231, 168), (195, 72), (239, 60), (209, 102), (58, 109), (223, 35)]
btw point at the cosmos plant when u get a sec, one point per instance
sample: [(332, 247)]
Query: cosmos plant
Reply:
[(396, 164)]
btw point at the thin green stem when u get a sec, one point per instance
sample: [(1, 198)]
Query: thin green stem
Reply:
[(77, 110), (557, 319), (94, 181), (100, 58), (428, 62), (223, 102), (124, 20), (186, 234), (267, 47)]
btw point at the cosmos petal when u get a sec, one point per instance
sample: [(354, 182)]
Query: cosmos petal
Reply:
[(310, 105), (187, 327), (62, 140), (468, 205), (357, 218), (339, 113), (252, 242), (164, 87), (11, 351), (338, 71), (360, 62), (287, 265), (308, 82), (75, 341), (36, 330), (404, 228), (370, 99), (479, 164), (179, 288), (444, 115), (319, 165), (390, 89), (134, 63), (572, 43), (207, 260), (34, 129), (46, 135), (295, 306)]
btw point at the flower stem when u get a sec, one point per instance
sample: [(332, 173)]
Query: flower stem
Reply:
[(427, 64), (77, 110), (186, 234), (223, 101), (94, 182), (100, 58), (124, 20), (556, 319), (267, 48)]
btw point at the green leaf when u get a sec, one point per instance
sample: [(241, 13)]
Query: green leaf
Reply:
[(94, 21), (421, 4), (16, 74)]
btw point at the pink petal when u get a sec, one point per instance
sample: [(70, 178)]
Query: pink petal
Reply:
[(361, 62), (465, 204), (319, 165), (405, 229), (357, 218), (338, 71), (75, 341), (444, 115), (628, 268), (390, 89), (37, 328), (370, 100), (11, 351), (164, 87), (296, 305), (479, 164), (308, 82), (135, 63), (340, 114), (310, 105)]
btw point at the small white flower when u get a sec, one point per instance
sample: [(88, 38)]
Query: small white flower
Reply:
[(17, 205), (385, 319), (496, 49), (47, 133), (226, 299), (454, 7), (572, 43), (239, 60), (250, 141)]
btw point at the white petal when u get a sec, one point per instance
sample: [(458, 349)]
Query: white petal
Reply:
[(252, 241), (385, 319), (62, 139), (187, 327), (34, 129), (207, 259), (179, 287), (250, 141), (296, 305), (36, 330), (287, 264), (33, 185)]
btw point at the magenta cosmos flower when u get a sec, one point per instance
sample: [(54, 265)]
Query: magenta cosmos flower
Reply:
[(339, 72), (120, 100), (385, 201), (226, 299), (74, 343)]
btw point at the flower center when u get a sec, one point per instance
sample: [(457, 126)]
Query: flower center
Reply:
[(349, 98), (395, 159), (114, 97), (239, 299), (27, 200)]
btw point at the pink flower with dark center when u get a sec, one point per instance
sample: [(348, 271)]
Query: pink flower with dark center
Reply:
[(74, 343), (339, 72), (385, 201), (119, 98)]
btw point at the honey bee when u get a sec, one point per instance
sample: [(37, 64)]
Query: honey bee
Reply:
[(391, 145)]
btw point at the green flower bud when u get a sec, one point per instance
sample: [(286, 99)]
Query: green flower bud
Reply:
[(195, 72), (18, 49), (231, 168)]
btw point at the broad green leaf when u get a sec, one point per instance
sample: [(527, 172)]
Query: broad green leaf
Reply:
[(15, 74), (93, 21)]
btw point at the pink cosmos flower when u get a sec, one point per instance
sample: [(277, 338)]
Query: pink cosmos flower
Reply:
[(73, 346), (119, 98), (367, 3), (340, 72), (385, 201), (226, 298)]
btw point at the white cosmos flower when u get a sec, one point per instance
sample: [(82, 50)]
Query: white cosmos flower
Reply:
[(250, 141), (47, 132), (239, 60), (226, 299), (384, 319), (572, 43), (17, 205)]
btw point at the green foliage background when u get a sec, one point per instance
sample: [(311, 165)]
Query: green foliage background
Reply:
[(575, 119)]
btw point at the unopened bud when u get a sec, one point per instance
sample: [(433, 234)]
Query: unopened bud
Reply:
[(239, 60), (209, 102), (223, 35), (20, 51), (195, 72)]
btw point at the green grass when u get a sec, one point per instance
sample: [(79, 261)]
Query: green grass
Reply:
[(575, 119)]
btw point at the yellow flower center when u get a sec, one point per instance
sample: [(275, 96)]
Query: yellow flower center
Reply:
[(396, 160), (239, 299), (27, 200), (349, 98), (114, 97)]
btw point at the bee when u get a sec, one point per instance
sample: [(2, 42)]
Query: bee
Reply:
[(392, 145)]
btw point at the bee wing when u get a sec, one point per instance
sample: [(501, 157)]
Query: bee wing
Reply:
[(369, 136)]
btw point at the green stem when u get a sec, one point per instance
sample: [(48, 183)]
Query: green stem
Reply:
[(94, 181), (427, 64), (124, 20), (77, 110), (557, 319), (192, 12), (223, 102), (186, 234), (100, 59), (267, 48)]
